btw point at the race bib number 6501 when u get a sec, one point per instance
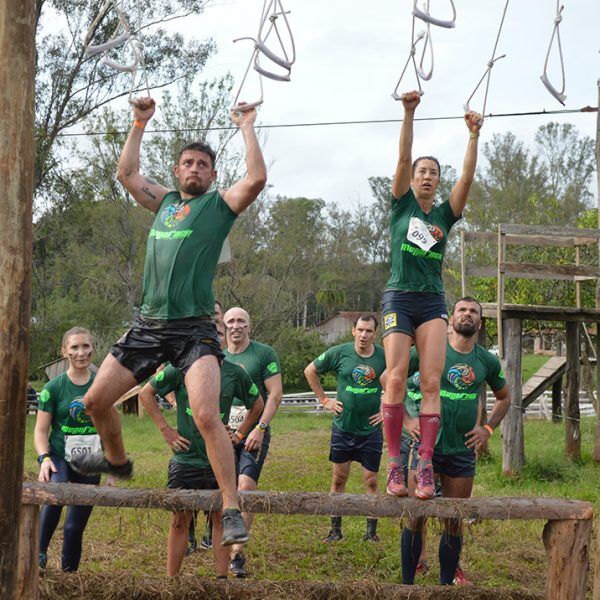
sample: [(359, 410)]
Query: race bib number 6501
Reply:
[(81, 444)]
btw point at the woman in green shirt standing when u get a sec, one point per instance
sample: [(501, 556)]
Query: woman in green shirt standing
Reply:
[(63, 430), (413, 305)]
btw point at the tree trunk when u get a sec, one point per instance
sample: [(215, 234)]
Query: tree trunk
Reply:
[(28, 574), (17, 150), (513, 447)]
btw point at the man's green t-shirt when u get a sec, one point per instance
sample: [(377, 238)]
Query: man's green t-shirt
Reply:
[(462, 378), (64, 401), (418, 244), (235, 383), (358, 386), (260, 362), (184, 245)]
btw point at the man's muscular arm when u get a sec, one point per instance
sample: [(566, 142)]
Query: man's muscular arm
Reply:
[(245, 191), (146, 191)]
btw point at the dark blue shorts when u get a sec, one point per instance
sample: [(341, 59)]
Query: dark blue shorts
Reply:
[(455, 465), (364, 449), (187, 477), (151, 342), (251, 463), (404, 312)]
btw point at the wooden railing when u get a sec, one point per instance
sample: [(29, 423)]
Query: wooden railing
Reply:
[(566, 536)]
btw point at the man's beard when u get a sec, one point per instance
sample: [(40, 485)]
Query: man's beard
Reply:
[(465, 328), (193, 189)]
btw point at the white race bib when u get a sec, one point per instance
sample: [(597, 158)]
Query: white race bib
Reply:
[(81, 444), (237, 416), (419, 234)]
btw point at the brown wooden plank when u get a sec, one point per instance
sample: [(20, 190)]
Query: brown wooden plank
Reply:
[(17, 165), (308, 503), (550, 231), (551, 270), (567, 546), (543, 313), (529, 240), (517, 274)]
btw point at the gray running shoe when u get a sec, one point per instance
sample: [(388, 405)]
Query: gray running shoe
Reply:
[(234, 529), (96, 463), (237, 565)]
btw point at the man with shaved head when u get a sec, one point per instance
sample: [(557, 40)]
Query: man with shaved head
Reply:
[(262, 364)]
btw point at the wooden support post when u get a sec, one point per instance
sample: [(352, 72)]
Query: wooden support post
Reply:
[(513, 446), (17, 163), (567, 546), (557, 401), (596, 454), (572, 414), (28, 574), (597, 565), (500, 292)]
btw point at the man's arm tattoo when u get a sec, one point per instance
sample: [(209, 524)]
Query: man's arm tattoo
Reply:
[(148, 193), (151, 181)]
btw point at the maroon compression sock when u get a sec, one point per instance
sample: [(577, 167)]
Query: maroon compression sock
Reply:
[(393, 417), (429, 426)]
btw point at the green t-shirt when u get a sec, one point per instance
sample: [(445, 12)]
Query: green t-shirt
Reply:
[(235, 383), (414, 268), (260, 361), (358, 386), (463, 376), (183, 250), (64, 401)]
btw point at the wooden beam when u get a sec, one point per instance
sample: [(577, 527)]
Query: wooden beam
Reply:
[(529, 240), (550, 231), (28, 573), (567, 546), (572, 414), (552, 270), (542, 313), (17, 164), (513, 446), (525, 274), (308, 503)]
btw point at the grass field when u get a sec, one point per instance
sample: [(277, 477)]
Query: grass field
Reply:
[(506, 554)]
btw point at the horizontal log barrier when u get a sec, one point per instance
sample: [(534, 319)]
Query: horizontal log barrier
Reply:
[(566, 536), (310, 503)]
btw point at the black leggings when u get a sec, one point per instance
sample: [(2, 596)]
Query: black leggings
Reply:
[(75, 521)]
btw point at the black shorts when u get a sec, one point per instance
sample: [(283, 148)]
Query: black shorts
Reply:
[(151, 342), (455, 465), (251, 463), (364, 449), (404, 312), (186, 477)]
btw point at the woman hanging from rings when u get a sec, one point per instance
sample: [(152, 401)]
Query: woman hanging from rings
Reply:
[(62, 430), (413, 305)]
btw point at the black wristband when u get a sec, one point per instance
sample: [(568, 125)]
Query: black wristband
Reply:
[(41, 457)]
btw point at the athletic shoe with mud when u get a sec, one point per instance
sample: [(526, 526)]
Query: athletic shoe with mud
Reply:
[(334, 535), (425, 489), (371, 536), (237, 565), (234, 529), (96, 463), (460, 578), (395, 480)]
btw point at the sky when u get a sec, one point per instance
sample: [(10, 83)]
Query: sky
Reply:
[(350, 54)]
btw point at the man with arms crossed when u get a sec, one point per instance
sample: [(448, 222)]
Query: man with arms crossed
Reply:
[(189, 468), (468, 366), (176, 323), (262, 364), (356, 433)]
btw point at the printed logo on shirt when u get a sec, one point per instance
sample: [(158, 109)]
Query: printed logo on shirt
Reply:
[(435, 231), (416, 379), (44, 396), (272, 367), (363, 374), (390, 320), (173, 214), (461, 376), (253, 391), (77, 411)]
